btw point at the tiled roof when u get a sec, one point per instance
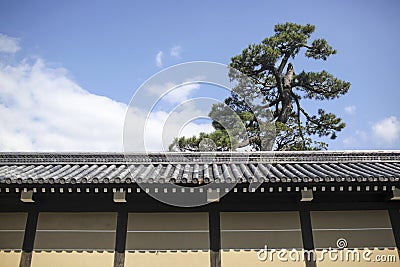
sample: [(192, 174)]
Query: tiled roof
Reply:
[(267, 167)]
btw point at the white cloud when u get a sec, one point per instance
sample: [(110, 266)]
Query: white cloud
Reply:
[(8, 44), (176, 51), (42, 109), (181, 93), (159, 59), (350, 109), (357, 140), (348, 141), (154, 132), (384, 134), (387, 131), (192, 128), (172, 93)]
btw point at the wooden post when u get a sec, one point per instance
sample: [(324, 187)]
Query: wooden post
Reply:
[(26, 259), (29, 239), (394, 215), (307, 236), (119, 259), (120, 239), (214, 235)]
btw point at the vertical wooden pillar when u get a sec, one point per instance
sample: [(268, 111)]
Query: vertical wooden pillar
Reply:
[(307, 235), (214, 235), (394, 214), (29, 239), (120, 238)]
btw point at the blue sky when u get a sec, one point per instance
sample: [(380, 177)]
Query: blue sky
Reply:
[(97, 53)]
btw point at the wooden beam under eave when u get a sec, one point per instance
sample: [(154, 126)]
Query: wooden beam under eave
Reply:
[(307, 195), (27, 196)]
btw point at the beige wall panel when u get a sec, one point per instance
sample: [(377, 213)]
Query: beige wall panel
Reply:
[(277, 230), (11, 240), (76, 241), (355, 239), (373, 257), (77, 220), (167, 259), (9, 259), (168, 221), (76, 259), (167, 241), (260, 220), (12, 226), (149, 231), (250, 259), (350, 219), (257, 240), (329, 226), (76, 231), (13, 220)]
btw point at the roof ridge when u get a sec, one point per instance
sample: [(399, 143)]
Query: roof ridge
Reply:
[(198, 157)]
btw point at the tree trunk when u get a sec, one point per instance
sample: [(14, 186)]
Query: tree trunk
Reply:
[(286, 95)]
